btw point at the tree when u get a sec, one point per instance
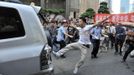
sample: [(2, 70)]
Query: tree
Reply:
[(103, 8), (89, 13), (53, 11)]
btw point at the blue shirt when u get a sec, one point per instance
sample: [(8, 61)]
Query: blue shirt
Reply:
[(120, 32), (60, 35), (96, 33)]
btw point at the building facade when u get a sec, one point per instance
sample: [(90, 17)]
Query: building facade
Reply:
[(131, 6), (85, 4), (73, 8), (76, 7), (124, 4)]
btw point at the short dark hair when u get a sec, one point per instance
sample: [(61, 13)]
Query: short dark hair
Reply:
[(83, 19)]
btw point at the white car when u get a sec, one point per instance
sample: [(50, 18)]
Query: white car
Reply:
[(24, 48)]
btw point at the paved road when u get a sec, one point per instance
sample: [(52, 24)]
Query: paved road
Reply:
[(106, 64)]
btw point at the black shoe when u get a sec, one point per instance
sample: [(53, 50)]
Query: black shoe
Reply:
[(96, 57), (93, 56), (123, 61), (115, 53), (120, 54), (63, 56), (131, 56)]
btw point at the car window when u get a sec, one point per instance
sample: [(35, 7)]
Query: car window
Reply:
[(10, 23)]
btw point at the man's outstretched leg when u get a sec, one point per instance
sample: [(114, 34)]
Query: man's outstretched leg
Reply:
[(65, 49), (74, 46), (81, 61)]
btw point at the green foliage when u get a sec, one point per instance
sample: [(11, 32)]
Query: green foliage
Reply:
[(103, 8), (89, 13), (103, 4), (53, 11)]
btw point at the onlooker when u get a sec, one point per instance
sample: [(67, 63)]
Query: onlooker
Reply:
[(119, 38), (112, 32), (71, 31), (104, 44), (96, 35), (62, 32), (53, 32)]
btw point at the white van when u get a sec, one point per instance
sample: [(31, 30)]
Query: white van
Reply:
[(24, 48)]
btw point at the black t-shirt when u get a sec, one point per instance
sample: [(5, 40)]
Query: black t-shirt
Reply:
[(71, 30)]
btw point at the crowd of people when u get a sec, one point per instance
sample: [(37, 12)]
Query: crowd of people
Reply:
[(81, 35)]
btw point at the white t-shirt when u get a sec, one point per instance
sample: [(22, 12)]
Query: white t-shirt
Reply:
[(84, 34), (112, 29)]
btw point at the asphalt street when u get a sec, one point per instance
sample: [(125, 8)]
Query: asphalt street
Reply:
[(106, 64)]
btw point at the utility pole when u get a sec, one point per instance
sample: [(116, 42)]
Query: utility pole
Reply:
[(42, 3), (67, 9)]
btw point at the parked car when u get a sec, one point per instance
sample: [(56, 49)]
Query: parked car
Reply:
[(24, 48)]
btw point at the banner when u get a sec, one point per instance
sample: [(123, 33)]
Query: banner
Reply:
[(115, 17)]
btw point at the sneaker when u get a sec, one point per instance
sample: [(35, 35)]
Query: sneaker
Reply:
[(75, 71), (120, 54), (96, 57), (123, 61), (92, 56), (55, 53)]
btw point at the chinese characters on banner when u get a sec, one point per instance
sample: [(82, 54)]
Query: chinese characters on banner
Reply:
[(115, 17)]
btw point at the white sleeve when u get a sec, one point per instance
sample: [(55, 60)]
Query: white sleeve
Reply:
[(114, 30), (78, 28), (88, 27)]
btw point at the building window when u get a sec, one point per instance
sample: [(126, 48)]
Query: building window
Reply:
[(10, 23)]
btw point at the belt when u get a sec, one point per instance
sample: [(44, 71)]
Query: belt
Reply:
[(86, 45)]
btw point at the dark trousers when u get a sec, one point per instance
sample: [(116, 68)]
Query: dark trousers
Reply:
[(62, 43), (112, 39), (96, 45), (70, 40), (118, 45), (131, 48)]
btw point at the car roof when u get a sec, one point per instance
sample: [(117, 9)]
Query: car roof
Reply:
[(20, 6), (14, 5)]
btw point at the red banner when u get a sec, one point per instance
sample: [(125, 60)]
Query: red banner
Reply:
[(116, 17)]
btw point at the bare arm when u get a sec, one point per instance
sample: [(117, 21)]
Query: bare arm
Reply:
[(68, 35)]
